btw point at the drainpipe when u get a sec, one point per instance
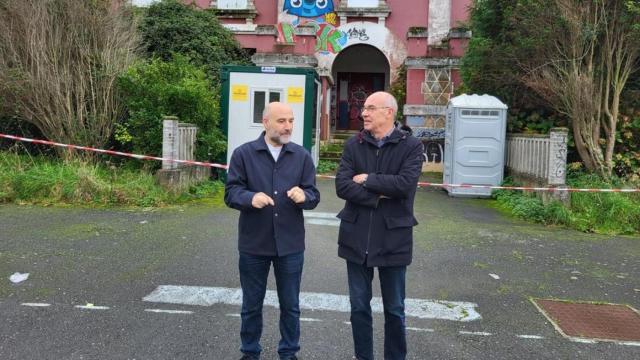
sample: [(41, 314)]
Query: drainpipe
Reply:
[(324, 115)]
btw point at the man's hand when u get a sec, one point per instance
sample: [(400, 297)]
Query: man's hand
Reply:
[(296, 194), (261, 200), (360, 178)]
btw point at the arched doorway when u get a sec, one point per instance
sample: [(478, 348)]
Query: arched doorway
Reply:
[(358, 71)]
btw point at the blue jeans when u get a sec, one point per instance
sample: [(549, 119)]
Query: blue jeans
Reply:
[(254, 271), (392, 286)]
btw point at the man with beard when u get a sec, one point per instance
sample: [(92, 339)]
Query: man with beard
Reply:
[(271, 181)]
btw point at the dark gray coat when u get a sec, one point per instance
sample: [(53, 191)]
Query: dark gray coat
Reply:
[(377, 219), (272, 230)]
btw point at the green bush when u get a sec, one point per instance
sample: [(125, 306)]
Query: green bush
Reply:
[(158, 88), (610, 213), (169, 26)]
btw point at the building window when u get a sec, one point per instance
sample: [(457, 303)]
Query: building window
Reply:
[(362, 3), (232, 4), (261, 97)]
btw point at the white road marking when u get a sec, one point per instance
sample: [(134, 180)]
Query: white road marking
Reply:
[(580, 340), (207, 296), (310, 319), (628, 343), (169, 311), (233, 315), (320, 215), (321, 218), (92, 307), (480, 333), (323, 222), (419, 329), (530, 336), (36, 304)]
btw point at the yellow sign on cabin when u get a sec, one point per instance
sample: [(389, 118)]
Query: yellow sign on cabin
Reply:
[(295, 94), (239, 92)]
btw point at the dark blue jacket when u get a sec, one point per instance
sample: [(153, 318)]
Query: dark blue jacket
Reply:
[(377, 219), (272, 230)]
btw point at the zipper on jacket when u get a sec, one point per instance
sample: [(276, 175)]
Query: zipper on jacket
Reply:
[(372, 210)]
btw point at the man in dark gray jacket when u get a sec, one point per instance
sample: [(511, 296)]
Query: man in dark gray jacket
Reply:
[(378, 178), (271, 181)]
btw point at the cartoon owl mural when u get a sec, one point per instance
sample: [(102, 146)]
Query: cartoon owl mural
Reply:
[(308, 8)]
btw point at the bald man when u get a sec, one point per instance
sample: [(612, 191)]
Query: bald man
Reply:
[(378, 177), (271, 180)]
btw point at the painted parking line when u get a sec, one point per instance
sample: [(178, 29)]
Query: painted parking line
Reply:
[(536, 337), (419, 329), (319, 215), (321, 218), (91, 307), (36, 304), (207, 296), (187, 312), (324, 222), (478, 333)]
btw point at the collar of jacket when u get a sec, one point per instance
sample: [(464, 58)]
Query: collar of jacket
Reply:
[(261, 145), (395, 137)]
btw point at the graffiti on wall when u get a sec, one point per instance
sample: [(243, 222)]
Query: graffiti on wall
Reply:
[(308, 8), (318, 13)]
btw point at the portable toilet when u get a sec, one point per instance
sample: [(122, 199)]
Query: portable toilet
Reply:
[(246, 90), (474, 144)]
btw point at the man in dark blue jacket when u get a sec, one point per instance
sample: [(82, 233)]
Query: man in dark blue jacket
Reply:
[(271, 181), (378, 178)]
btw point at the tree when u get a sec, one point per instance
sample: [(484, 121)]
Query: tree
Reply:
[(576, 55), (169, 27), (157, 88), (59, 60), (596, 46)]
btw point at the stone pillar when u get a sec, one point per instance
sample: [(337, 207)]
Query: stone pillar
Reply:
[(557, 175), (557, 156), (170, 142)]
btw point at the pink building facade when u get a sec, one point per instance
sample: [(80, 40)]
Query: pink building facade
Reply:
[(358, 47)]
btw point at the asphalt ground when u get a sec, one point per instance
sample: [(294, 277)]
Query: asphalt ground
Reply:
[(110, 259)]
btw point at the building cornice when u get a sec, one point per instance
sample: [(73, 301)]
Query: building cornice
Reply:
[(426, 62), (268, 30), (285, 60)]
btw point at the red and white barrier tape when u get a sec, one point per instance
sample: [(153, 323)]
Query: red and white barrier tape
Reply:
[(111, 152), (222, 166)]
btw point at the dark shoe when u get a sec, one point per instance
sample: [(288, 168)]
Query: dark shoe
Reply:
[(248, 357)]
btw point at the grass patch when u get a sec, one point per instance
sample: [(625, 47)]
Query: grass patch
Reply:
[(327, 166), (605, 213), (45, 181)]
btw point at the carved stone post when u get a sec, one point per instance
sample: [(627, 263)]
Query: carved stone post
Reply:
[(170, 142), (557, 175)]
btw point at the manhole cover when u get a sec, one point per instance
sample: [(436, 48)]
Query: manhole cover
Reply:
[(611, 322)]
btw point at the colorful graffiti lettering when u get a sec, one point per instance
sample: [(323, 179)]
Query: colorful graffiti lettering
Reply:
[(286, 34), (330, 39), (308, 8)]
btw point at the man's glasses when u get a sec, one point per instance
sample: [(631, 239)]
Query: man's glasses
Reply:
[(373, 108)]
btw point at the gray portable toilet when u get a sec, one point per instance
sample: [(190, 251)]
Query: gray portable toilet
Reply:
[(247, 89), (474, 144)]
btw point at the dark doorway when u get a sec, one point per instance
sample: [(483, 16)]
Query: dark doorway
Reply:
[(358, 71), (353, 89)]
